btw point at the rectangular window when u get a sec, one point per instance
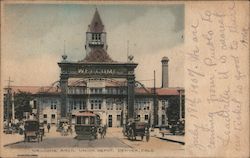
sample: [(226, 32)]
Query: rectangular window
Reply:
[(53, 104), (83, 104), (53, 116), (139, 117), (74, 106), (78, 120), (163, 102), (146, 117), (109, 91), (34, 102), (44, 115), (80, 104), (163, 119), (69, 90), (163, 107), (118, 117), (71, 104)]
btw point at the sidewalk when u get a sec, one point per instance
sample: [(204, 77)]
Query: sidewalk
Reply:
[(168, 136), (7, 139), (172, 138)]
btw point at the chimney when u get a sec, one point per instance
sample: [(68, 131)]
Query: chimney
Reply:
[(164, 63)]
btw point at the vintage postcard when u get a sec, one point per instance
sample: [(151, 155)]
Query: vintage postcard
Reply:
[(124, 79)]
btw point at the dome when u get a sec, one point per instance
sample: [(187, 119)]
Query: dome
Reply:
[(164, 59)]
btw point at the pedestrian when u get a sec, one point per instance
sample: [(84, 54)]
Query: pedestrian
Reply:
[(48, 127)]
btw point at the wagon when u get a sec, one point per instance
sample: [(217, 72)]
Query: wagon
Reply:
[(134, 128), (32, 131)]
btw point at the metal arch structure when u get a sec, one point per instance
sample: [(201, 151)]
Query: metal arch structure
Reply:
[(42, 90), (139, 84), (78, 82), (107, 70), (85, 80)]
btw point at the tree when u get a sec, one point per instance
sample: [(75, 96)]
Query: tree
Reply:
[(22, 103), (173, 109)]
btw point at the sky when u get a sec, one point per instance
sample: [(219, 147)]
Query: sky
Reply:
[(34, 34)]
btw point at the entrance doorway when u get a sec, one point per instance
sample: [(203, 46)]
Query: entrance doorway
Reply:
[(110, 121)]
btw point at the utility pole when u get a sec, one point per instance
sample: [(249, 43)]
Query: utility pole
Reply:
[(155, 104), (127, 50), (8, 100), (13, 107)]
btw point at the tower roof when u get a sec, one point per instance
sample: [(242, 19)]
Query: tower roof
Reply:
[(96, 24), (97, 55)]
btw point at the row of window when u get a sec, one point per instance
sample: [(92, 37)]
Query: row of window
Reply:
[(145, 117), (95, 90), (114, 107), (118, 117), (111, 104), (82, 90), (77, 104), (96, 36), (96, 103), (142, 108), (77, 90), (116, 91), (53, 116)]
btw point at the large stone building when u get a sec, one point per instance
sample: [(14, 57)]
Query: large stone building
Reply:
[(108, 88)]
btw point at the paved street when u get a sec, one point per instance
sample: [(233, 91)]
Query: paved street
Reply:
[(66, 142), (113, 139)]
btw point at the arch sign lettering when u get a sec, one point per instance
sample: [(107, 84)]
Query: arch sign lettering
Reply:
[(91, 70)]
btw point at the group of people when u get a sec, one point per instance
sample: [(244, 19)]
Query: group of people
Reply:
[(66, 128), (102, 131)]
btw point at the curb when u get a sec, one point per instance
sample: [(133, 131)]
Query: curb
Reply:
[(171, 140), (12, 143)]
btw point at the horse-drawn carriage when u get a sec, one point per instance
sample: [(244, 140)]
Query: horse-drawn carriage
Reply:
[(32, 131), (135, 128)]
